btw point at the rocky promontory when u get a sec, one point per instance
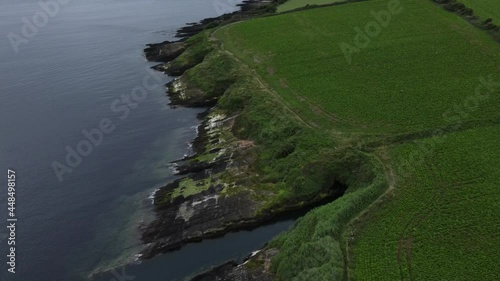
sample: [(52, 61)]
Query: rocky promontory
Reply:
[(252, 162)]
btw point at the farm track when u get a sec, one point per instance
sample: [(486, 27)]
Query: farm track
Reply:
[(380, 149), (429, 133), (386, 138), (416, 220), (390, 175), (267, 89), (328, 115), (405, 238)]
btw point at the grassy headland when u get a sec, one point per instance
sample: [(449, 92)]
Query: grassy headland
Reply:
[(424, 71), (401, 80), (398, 100)]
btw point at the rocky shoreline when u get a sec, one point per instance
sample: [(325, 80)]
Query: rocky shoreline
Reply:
[(219, 190), (205, 214), (215, 210), (168, 50)]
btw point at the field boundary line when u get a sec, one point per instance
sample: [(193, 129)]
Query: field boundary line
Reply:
[(390, 177)]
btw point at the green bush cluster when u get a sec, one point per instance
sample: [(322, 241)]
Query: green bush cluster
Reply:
[(293, 161), (314, 248), (487, 8), (197, 47), (214, 75)]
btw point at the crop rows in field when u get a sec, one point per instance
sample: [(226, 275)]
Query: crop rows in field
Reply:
[(420, 65), (442, 222), (380, 68)]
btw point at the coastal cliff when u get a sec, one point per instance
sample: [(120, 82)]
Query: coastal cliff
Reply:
[(225, 184), (264, 150), (255, 159)]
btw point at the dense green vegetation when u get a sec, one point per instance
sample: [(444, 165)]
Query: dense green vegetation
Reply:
[(290, 158), (313, 250), (290, 163), (198, 47), (485, 8)]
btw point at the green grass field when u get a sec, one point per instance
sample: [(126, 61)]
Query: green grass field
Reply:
[(405, 79), (441, 221), (485, 8), (294, 4), (427, 70)]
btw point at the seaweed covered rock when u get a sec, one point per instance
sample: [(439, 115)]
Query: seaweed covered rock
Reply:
[(165, 51)]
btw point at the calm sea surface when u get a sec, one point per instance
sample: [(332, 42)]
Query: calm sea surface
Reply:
[(70, 74)]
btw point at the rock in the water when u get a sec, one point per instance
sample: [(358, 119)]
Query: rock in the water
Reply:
[(165, 51)]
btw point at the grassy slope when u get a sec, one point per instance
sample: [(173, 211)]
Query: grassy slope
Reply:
[(291, 163), (442, 221), (387, 88), (313, 249), (294, 4), (426, 62), (485, 8)]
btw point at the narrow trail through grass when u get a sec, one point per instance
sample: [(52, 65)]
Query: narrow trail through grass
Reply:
[(401, 107), (267, 89)]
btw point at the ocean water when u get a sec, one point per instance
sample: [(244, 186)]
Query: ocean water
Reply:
[(75, 68)]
